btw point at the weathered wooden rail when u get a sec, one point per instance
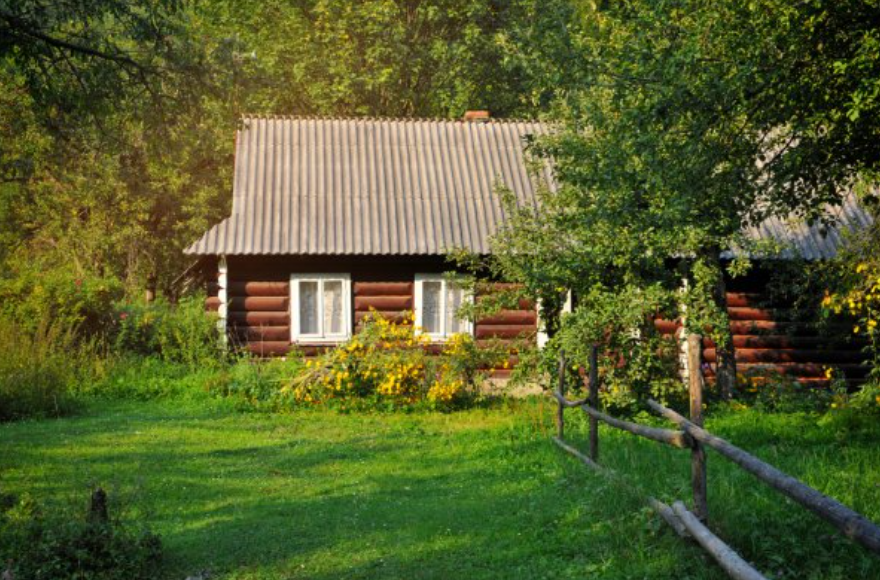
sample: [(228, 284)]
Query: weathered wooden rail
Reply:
[(691, 435)]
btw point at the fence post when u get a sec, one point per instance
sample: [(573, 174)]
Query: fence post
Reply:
[(594, 402), (560, 412), (698, 452)]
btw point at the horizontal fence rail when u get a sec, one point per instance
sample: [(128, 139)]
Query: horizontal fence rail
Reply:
[(691, 435), (671, 437), (849, 522)]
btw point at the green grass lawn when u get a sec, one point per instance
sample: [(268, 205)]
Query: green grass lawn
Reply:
[(476, 494)]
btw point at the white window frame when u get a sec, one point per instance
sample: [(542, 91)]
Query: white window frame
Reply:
[(321, 336), (420, 279)]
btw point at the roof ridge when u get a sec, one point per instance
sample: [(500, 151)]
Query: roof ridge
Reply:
[(381, 119)]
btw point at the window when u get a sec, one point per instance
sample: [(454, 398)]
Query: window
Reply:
[(319, 307), (438, 300)]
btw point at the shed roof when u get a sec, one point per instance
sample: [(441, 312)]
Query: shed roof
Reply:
[(325, 186)]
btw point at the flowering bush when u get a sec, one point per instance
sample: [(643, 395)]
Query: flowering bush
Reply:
[(859, 297), (388, 364)]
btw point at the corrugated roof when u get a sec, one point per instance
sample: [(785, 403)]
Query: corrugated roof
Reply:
[(404, 186), (370, 186), (811, 242)]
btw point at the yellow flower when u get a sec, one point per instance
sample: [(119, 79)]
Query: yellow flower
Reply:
[(856, 329), (861, 268)]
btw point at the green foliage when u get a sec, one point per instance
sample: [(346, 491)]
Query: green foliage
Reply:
[(635, 362), (44, 545), (255, 384), (139, 378), (387, 365), (774, 392), (40, 369), (177, 333), (693, 122), (853, 290), (71, 299)]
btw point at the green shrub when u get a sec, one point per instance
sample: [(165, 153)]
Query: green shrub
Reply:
[(775, 392), (635, 361), (70, 299), (178, 333), (40, 545), (387, 365), (40, 369), (257, 384), (142, 378)]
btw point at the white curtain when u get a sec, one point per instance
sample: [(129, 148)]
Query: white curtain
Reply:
[(454, 299), (333, 315), (308, 307), (431, 314)]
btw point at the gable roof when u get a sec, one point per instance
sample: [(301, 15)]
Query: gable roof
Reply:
[(313, 186), (371, 186)]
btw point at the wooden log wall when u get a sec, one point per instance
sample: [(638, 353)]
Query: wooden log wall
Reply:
[(259, 309), (392, 300), (769, 341), (508, 329)]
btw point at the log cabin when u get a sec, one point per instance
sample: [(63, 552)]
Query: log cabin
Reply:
[(334, 217)]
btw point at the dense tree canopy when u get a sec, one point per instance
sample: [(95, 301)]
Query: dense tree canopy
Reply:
[(696, 119), (119, 117)]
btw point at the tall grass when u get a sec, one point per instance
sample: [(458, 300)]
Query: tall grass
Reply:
[(39, 369)]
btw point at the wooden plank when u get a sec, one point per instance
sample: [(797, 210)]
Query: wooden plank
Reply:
[(383, 289), (258, 304), (782, 341), (365, 303), (511, 317), (255, 288), (852, 524), (743, 299), (259, 318), (666, 326), (733, 564), (263, 333), (698, 454), (807, 370), (747, 313), (483, 331), (674, 438), (772, 355)]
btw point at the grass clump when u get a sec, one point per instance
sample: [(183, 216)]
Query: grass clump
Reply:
[(40, 369), (41, 544)]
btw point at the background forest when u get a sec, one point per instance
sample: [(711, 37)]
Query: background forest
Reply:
[(679, 124)]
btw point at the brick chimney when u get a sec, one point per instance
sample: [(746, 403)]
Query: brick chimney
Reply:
[(478, 116)]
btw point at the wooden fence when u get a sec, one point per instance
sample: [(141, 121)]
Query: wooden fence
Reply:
[(690, 435)]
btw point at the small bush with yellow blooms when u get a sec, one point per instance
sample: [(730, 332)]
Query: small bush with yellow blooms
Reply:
[(391, 365), (858, 297)]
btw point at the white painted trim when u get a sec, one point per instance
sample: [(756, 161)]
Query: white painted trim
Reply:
[(321, 336), (222, 298), (420, 279)]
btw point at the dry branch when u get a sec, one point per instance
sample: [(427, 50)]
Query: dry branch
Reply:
[(849, 522), (732, 563)]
